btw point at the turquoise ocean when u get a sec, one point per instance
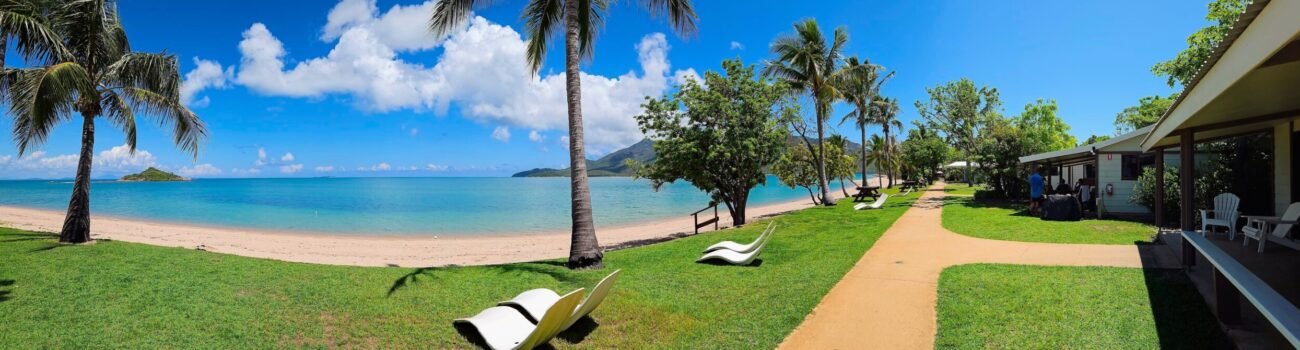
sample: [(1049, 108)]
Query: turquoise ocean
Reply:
[(382, 206)]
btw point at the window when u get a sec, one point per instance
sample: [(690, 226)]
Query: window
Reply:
[(1131, 165)]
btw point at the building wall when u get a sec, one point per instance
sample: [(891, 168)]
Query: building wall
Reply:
[(1282, 166), (1109, 172)]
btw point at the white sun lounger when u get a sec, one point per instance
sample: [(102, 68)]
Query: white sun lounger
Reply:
[(742, 248), (736, 258), (503, 327), (537, 301), (876, 205)]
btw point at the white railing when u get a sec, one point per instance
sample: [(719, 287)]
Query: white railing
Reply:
[(1280, 312)]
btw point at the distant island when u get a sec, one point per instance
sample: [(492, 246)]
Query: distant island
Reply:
[(615, 164), (153, 174)]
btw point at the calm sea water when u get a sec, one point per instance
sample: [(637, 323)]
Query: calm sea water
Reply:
[(381, 206)]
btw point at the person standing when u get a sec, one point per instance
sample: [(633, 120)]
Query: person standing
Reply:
[(1035, 192)]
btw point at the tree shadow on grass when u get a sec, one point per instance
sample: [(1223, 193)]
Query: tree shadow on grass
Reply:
[(718, 262), (579, 330), (554, 269), (1183, 320), (50, 246), (4, 293), (411, 278)]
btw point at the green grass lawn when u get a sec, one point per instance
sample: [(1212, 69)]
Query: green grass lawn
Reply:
[(1012, 223), (125, 295), (961, 189), (1037, 307)]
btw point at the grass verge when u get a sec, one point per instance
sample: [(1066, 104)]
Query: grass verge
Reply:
[(1012, 223), (960, 189), (1037, 307), (139, 296)]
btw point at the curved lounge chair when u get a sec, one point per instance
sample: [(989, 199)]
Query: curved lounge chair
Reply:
[(876, 205), (1257, 227), (536, 302), (503, 327), (733, 257), (742, 248)]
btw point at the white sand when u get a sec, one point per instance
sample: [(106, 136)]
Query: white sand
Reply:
[(365, 250)]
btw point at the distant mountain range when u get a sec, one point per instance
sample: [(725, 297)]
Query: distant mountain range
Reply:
[(615, 164)]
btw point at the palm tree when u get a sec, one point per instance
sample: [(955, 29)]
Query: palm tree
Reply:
[(884, 112), (860, 84), (91, 71), (27, 23), (877, 154), (806, 62), (580, 20)]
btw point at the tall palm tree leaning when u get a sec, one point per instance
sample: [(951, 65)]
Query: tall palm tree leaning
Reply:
[(884, 112), (859, 85), (807, 63), (88, 69), (581, 21)]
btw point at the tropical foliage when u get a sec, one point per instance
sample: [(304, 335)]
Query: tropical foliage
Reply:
[(580, 21), (796, 168), (1181, 69), (957, 109), (922, 153), (1147, 112), (718, 134), (859, 85), (81, 65), (807, 63)]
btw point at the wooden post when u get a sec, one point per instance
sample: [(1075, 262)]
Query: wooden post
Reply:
[(1227, 299), (1160, 188), (715, 218), (1186, 174)]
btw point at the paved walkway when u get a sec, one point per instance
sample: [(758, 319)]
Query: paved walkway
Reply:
[(887, 301)]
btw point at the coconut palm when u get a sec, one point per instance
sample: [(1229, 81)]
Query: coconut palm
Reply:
[(884, 112), (807, 62), (27, 24), (580, 21), (878, 154), (91, 72), (859, 85)]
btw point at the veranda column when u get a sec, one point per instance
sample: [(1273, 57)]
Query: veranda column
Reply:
[(1160, 188)]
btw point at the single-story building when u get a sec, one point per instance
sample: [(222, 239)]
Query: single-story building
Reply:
[(1111, 166), (1248, 87)]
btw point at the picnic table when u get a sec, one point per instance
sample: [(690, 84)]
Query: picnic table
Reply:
[(867, 191), (910, 184)]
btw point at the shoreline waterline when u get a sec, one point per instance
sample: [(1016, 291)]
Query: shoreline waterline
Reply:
[(382, 250)]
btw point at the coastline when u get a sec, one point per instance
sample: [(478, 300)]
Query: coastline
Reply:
[(403, 251)]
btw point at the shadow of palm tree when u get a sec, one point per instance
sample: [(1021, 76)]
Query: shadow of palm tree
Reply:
[(411, 278), (554, 269), (50, 246), (4, 294)]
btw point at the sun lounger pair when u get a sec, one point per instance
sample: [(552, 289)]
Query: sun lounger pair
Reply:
[(879, 202), (534, 317), (736, 253)]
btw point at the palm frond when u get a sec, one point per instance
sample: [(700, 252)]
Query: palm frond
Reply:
[(119, 112), (449, 15), (155, 72), (591, 18), (32, 30), (541, 19), (188, 132), (40, 98), (681, 14)]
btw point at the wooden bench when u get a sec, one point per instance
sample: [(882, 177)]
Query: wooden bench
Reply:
[(707, 221), (867, 191)]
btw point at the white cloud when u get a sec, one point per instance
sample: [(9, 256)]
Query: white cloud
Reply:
[(245, 172), (290, 168), (481, 69), (534, 136), (415, 131), (501, 133), (377, 167), (324, 169), (199, 170), (206, 74), (564, 141), (120, 158), (287, 157), (435, 167), (736, 45), (261, 157)]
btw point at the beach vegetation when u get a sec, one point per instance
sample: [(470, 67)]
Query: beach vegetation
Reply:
[(81, 65), (923, 153), (153, 174), (719, 134), (1181, 69), (840, 161), (796, 168), (957, 109), (808, 63), (144, 296), (859, 86), (580, 21)]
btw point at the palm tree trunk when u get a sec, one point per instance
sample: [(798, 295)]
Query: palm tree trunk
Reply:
[(76, 225), (863, 128), (821, 159), (584, 250), (889, 155)]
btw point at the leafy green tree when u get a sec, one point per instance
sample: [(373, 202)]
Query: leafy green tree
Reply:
[(807, 63), (1095, 139), (923, 152), (1147, 112), (1042, 129), (859, 85), (90, 71), (998, 152), (718, 135), (1181, 69), (797, 168), (838, 161), (580, 21), (956, 109)]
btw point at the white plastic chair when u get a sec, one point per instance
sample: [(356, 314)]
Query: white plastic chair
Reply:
[(1257, 227), (879, 202), (1224, 215)]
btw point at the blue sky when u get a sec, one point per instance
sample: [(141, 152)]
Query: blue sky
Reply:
[(356, 88)]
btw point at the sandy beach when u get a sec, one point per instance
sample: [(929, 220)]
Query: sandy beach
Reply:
[(336, 249)]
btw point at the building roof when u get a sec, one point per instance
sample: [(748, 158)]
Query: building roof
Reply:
[(1114, 144)]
